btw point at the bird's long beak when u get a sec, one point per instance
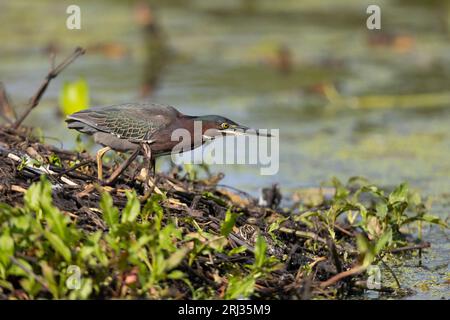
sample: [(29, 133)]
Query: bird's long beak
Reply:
[(239, 130)]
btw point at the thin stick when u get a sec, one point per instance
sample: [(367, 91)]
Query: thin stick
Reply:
[(81, 164), (121, 168), (408, 248), (30, 272), (303, 234), (392, 272), (6, 110), (334, 254), (41, 169), (342, 275), (52, 74)]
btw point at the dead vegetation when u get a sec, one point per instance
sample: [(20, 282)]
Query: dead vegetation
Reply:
[(185, 238)]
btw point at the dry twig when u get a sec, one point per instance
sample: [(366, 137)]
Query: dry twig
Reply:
[(51, 75)]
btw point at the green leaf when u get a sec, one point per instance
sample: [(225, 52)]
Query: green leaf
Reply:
[(227, 225), (55, 160), (381, 210), (132, 208), (152, 206), (385, 238), (86, 289), (6, 248), (5, 209), (58, 245), (32, 197), (433, 219), (57, 222), (175, 258), (209, 195), (176, 275), (362, 243), (110, 213), (341, 192), (49, 276), (415, 198), (74, 96), (167, 235), (237, 250), (400, 194), (260, 251), (374, 190), (22, 223), (366, 249), (240, 287), (6, 284), (18, 271), (45, 192)]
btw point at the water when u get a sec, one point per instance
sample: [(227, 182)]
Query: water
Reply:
[(221, 64)]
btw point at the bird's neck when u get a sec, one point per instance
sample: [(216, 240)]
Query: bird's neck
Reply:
[(197, 122)]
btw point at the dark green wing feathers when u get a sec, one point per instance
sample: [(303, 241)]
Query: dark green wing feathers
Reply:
[(134, 122)]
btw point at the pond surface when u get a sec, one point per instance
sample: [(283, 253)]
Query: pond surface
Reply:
[(224, 61)]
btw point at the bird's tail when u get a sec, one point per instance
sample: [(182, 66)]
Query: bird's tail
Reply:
[(80, 126)]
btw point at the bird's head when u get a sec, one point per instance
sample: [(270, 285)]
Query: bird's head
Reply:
[(214, 126)]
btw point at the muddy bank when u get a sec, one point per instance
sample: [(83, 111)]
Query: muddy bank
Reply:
[(304, 251)]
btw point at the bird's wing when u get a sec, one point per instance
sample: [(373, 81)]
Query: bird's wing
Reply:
[(135, 122)]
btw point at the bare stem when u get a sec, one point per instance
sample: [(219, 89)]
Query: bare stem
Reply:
[(342, 275), (52, 74), (29, 272), (6, 110)]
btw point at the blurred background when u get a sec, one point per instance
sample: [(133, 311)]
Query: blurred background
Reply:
[(348, 101)]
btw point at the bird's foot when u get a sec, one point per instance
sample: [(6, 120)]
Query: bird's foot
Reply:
[(100, 154), (149, 183)]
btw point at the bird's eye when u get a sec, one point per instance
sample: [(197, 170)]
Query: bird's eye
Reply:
[(224, 125)]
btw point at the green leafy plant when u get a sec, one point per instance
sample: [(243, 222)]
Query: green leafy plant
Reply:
[(243, 286), (38, 244), (74, 96), (229, 222), (141, 251)]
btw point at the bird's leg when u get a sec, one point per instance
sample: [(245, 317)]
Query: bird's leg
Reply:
[(149, 166), (153, 167), (122, 168), (147, 152), (100, 154)]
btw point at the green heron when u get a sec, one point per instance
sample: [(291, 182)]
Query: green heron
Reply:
[(147, 128)]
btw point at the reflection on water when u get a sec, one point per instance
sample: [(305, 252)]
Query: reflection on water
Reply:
[(156, 49), (267, 66)]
